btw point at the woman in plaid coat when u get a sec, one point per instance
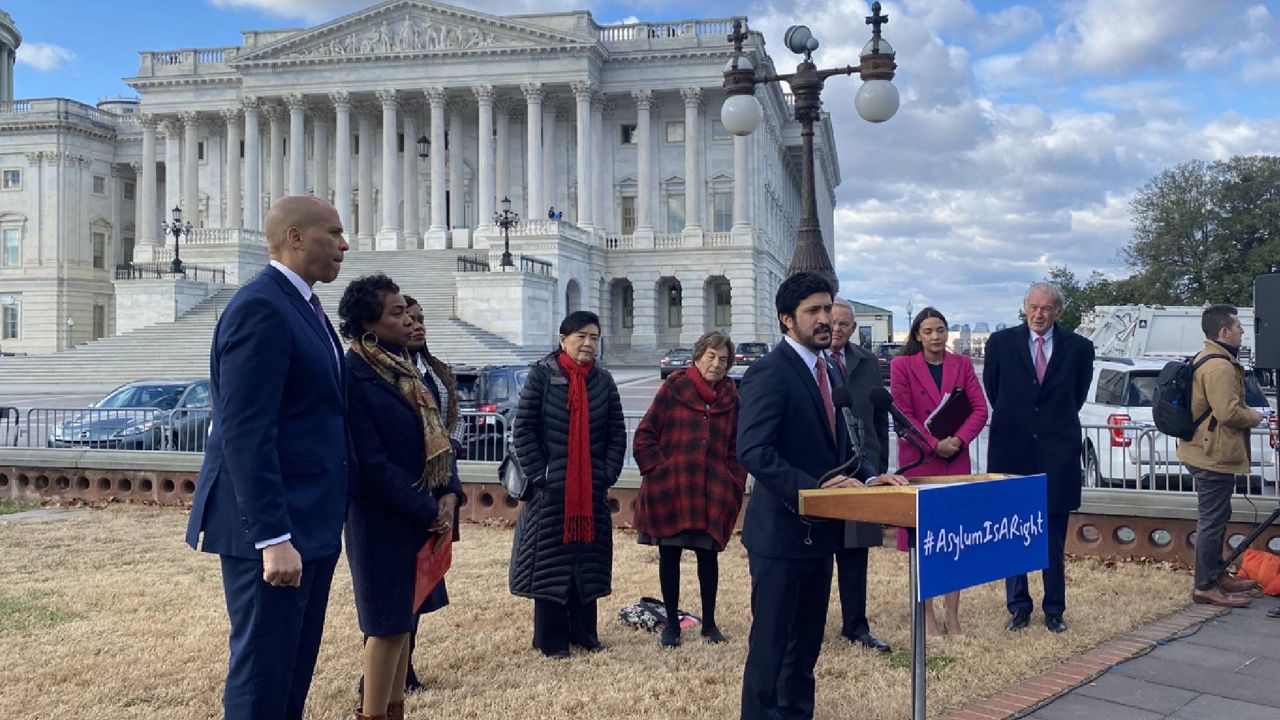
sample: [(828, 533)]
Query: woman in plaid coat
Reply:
[(691, 493)]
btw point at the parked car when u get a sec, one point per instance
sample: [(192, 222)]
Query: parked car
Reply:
[(1128, 450), (675, 359), (884, 355), (749, 352), (142, 415), (489, 394)]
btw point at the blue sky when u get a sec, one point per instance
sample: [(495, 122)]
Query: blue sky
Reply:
[(1025, 127)]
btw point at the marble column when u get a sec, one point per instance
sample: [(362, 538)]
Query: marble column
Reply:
[(550, 145), (484, 204), (438, 234), (599, 219), (172, 170), (582, 91), (252, 165), (297, 143), (190, 168), (644, 170), (535, 207), (233, 218), (740, 182), (146, 195), (389, 237), (275, 151), (365, 224), (409, 175), (692, 157), (456, 191), (342, 157), (320, 135), (502, 139)]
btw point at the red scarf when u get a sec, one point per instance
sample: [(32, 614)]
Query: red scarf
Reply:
[(704, 389), (579, 521)]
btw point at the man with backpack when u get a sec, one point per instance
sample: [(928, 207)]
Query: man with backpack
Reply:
[(1218, 451)]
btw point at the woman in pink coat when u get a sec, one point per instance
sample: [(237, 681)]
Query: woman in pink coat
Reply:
[(922, 375)]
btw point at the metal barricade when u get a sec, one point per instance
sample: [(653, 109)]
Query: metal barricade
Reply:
[(187, 429), (10, 423), (483, 435), (96, 428)]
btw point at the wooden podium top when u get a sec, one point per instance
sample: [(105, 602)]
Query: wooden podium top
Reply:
[(884, 504)]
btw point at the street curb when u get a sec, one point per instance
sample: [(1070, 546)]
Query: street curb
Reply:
[(1027, 696)]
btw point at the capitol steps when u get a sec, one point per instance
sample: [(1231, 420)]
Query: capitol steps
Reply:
[(180, 349)]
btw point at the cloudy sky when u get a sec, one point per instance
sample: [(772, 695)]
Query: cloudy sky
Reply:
[(1025, 127)]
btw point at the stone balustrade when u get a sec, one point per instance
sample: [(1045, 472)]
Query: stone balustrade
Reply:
[(191, 61)]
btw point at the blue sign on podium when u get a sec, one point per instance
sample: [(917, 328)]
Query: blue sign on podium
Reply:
[(974, 532)]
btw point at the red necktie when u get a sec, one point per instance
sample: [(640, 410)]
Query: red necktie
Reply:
[(838, 357), (1041, 361), (824, 389)]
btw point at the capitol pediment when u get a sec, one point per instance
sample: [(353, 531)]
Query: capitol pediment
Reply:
[(410, 27)]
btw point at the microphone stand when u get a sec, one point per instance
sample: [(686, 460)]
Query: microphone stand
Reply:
[(852, 426)]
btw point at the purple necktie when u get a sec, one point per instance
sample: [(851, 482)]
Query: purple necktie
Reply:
[(1041, 361), (319, 310)]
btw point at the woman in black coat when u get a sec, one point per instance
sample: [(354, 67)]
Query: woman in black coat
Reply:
[(570, 438), (407, 487)]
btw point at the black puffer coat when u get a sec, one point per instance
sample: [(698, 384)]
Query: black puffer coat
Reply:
[(542, 565)]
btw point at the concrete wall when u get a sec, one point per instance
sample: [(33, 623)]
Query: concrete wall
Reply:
[(140, 303), (516, 306)]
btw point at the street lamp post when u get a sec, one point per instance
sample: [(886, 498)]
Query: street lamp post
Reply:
[(506, 220), (876, 101), (177, 229)]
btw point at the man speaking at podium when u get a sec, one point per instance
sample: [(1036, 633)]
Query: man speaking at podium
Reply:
[(789, 436)]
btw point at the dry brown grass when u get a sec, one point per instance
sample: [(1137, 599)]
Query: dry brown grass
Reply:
[(107, 615)]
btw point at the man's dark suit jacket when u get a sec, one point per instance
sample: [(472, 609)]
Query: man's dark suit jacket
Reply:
[(277, 460), (862, 374), (1034, 428), (785, 443)]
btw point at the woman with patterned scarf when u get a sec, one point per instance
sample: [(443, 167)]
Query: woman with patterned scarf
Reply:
[(570, 438), (407, 487)]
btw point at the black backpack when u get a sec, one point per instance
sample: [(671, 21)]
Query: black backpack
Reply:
[(1171, 403)]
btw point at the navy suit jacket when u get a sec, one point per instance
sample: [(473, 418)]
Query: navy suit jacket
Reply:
[(1036, 428), (278, 457), (785, 443)]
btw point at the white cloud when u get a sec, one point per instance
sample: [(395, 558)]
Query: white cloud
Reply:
[(44, 56), (972, 192)]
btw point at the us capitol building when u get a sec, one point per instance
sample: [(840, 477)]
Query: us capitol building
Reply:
[(415, 119)]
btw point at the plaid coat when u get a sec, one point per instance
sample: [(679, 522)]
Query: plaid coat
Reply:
[(687, 453)]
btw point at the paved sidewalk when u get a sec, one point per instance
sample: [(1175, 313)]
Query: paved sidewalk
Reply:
[(1202, 663)]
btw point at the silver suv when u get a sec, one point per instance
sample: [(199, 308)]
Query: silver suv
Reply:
[(1122, 446)]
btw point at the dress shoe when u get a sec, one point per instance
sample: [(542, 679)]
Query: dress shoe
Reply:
[(1055, 623), (592, 646), (1232, 584), (558, 655), (670, 635), (1274, 612), (871, 642), (1215, 596), (712, 634), (1019, 620)]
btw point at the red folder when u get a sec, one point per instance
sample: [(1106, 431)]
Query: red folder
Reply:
[(434, 560)]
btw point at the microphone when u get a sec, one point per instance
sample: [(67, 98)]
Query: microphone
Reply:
[(883, 401), (842, 398)]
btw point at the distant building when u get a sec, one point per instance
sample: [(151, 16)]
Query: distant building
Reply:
[(875, 324)]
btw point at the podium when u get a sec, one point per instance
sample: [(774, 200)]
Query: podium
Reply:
[(964, 530)]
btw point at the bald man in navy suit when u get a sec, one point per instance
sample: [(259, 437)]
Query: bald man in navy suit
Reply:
[(272, 493)]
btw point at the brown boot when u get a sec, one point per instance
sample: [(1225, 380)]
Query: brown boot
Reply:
[(1215, 596), (362, 716), (1230, 583), (395, 710)]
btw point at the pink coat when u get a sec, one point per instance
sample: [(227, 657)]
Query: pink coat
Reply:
[(917, 396)]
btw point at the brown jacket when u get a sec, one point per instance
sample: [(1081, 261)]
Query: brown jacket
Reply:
[(1221, 443)]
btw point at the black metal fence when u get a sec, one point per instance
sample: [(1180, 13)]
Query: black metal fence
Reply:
[(535, 266), (177, 430), (472, 263), (161, 270)]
